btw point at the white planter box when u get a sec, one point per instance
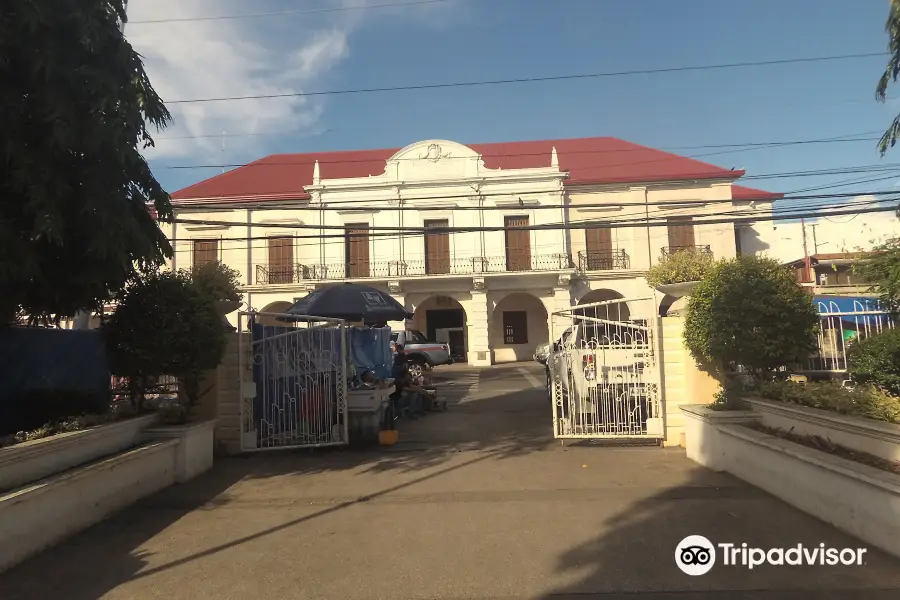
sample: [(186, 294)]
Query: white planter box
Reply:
[(860, 500), (32, 461), (701, 432), (856, 433), (195, 450), (39, 515)]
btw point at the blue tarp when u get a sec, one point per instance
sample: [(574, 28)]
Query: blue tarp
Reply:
[(370, 350), (294, 374)]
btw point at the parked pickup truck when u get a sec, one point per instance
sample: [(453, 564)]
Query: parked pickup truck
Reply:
[(420, 351), (595, 356)]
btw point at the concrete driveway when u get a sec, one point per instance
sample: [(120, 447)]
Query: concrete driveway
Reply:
[(475, 503)]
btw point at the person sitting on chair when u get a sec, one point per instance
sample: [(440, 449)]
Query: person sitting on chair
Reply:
[(406, 393)]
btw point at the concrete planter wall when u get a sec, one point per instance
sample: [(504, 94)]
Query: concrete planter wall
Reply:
[(194, 452), (860, 500), (41, 514), (856, 433), (32, 461), (702, 436)]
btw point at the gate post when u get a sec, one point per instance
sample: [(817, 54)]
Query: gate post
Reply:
[(682, 379)]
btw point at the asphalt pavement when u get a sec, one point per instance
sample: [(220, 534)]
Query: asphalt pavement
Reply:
[(476, 503)]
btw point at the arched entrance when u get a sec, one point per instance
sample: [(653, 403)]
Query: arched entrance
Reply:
[(278, 308), (443, 319), (518, 326), (616, 311)]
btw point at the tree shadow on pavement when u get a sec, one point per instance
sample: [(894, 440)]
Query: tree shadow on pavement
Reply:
[(107, 555), (630, 552)]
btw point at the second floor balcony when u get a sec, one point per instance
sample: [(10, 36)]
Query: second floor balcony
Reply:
[(701, 249), (275, 274), (603, 260)]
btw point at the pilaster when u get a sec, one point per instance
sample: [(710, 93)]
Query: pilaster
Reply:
[(479, 338), (561, 300)]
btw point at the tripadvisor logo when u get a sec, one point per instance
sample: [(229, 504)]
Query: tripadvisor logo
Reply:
[(696, 555)]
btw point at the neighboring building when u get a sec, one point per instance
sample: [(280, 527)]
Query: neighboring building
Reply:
[(784, 241), (830, 274), (292, 222)]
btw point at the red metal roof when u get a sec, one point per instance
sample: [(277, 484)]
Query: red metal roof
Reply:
[(595, 160), (739, 192)]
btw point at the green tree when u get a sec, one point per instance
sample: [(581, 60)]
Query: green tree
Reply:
[(881, 269), (891, 71), (750, 311), (77, 109), (164, 325)]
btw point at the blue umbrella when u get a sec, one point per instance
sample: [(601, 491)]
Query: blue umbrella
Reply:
[(351, 302)]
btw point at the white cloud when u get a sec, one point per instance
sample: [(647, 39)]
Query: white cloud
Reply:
[(235, 57)]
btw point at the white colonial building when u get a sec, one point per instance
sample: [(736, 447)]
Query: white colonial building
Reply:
[(291, 223)]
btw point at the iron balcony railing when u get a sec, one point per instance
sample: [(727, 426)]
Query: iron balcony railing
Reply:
[(602, 260), (281, 274), (670, 250)]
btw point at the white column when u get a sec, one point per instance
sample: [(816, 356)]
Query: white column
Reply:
[(479, 350), (561, 300)]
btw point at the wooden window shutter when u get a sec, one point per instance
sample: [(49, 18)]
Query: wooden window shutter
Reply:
[(598, 247), (518, 244), (205, 251), (681, 234), (281, 260), (356, 236), (437, 248)]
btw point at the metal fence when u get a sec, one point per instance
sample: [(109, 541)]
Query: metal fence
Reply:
[(293, 382), (839, 328)]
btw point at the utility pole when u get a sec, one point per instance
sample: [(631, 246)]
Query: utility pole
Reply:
[(805, 252), (122, 24), (815, 243)]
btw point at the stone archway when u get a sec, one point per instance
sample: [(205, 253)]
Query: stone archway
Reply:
[(443, 319), (518, 325), (618, 311), (278, 307)]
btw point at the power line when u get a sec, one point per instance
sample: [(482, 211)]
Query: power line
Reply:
[(734, 148), (586, 224), (578, 225), (284, 13), (461, 84), (511, 207)]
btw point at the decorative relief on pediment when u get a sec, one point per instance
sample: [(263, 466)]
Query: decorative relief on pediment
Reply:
[(434, 153)]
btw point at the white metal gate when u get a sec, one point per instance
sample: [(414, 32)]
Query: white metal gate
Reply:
[(293, 382), (604, 370)]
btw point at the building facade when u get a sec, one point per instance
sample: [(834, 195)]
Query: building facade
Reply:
[(435, 225)]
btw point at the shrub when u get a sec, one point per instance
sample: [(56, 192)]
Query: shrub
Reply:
[(680, 267), (219, 281), (863, 401), (876, 360), (750, 311), (164, 325)]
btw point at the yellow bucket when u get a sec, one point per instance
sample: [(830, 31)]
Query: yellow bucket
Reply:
[(388, 437)]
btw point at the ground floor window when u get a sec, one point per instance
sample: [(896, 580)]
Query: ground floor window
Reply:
[(515, 327)]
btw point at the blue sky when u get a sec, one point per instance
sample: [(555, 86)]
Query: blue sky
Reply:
[(467, 40)]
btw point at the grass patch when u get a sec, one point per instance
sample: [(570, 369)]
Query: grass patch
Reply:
[(824, 445)]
